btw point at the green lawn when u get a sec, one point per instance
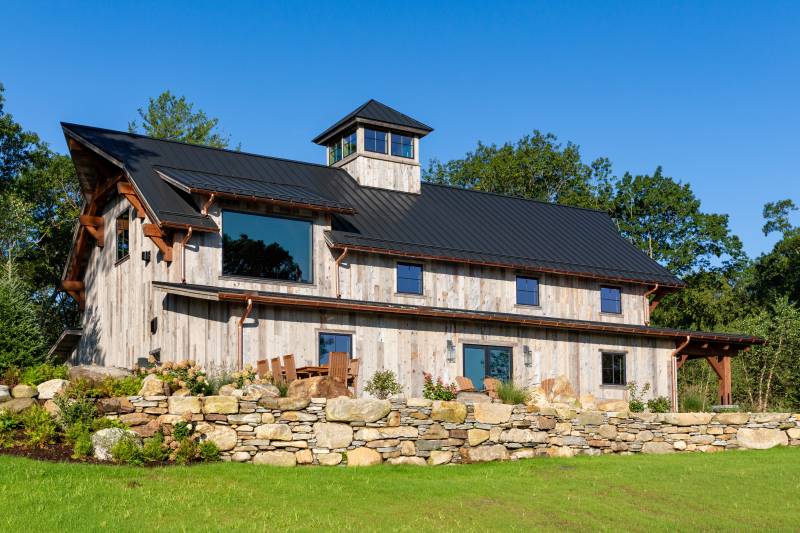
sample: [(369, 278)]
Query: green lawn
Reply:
[(725, 491)]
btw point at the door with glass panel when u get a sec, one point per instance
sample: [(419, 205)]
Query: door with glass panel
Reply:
[(486, 361)]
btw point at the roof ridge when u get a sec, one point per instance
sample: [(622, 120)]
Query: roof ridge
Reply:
[(139, 135), (515, 197)]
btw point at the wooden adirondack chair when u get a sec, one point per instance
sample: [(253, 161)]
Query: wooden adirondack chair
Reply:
[(289, 368), (352, 370), (491, 384), (262, 367), (464, 384), (337, 366), (277, 371)]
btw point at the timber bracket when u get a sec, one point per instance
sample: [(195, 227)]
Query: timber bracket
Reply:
[(93, 225), (77, 290), (127, 190), (154, 233)]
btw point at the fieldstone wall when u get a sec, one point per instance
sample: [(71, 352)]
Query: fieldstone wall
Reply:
[(358, 432)]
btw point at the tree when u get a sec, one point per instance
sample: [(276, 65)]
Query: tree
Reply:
[(536, 167), (18, 148), (21, 340), (172, 117), (776, 216), (777, 273)]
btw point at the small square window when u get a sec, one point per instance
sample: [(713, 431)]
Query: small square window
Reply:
[(123, 235), (613, 368), (610, 300), (527, 291), (375, 141), (409, 278), (402, 145)]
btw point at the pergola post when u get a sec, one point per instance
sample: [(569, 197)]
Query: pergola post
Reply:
[(722, 367)]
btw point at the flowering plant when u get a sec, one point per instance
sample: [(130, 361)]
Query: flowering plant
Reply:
[(245, 377), (184, 374), (437, 390)]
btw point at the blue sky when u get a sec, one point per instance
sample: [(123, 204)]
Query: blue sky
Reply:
[(707, 90)]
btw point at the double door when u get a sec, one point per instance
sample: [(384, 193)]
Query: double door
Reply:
[(486, 362)]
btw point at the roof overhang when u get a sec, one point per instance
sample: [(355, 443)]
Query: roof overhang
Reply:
[(325, 136), (734, 342)]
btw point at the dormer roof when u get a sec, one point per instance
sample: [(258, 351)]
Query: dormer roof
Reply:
[(377, 114)]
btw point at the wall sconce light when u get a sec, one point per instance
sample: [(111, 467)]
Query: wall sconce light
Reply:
[(451, 351), (527, 357)]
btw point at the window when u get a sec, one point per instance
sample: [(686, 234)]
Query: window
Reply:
[(334, 342), (613, 368), (487, 362), (610, 300), (375, 141), (402, 145), (409, 278), (264, 246), (349, 144), (335, 152), (527, 291), (123, 235)]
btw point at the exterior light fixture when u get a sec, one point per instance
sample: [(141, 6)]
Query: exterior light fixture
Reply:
[(527, 357), (451, 351)]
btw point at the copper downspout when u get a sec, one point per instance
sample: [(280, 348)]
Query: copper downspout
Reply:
[(206, 205), (647, 303), (674, 370), (183, 254), (240, 331), (337, 263)]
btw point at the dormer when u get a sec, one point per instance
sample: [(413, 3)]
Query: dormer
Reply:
[(378, 146)]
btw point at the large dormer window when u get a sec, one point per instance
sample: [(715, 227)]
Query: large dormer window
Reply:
[(402, 145), (375, 141)]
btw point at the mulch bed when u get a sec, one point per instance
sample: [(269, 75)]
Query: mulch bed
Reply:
[(58, 453)]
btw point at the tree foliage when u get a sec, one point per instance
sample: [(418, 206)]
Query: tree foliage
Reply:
[(172, 117), (21, 339)]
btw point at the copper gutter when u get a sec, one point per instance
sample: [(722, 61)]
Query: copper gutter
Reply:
[(240, 331), (647, 304), (208, 203), (183, 254), (337, 263)]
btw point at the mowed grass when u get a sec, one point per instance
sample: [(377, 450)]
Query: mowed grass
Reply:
[(730, 491)]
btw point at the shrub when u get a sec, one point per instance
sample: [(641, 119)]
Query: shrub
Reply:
[(105, 423), (437, 390), (186, 451), (39, 427), (208, 451), (182, 430), (383, 384), (183, 375), (75, 408), (9, 424), (80, 437), (127, 451), (283, 388), (154, 450), (34, 375), (692, 402), (11, 376), (660, 404), (113, 387), (511, 394), (636, 401)]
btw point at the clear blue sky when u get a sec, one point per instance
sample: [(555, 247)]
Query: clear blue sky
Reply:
[(707, 90)]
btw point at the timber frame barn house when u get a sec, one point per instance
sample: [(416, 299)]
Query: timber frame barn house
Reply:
[(225, 257)]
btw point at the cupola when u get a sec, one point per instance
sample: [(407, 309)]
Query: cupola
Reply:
[(378, 146)]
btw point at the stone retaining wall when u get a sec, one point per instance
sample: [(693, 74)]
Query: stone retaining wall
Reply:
[(291, 431)]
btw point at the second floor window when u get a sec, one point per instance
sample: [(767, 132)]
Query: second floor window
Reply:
[(263, 246), (375, 141), (409, 278), (402, 145), (610, 300), (527, 291), (123, 234), (349, 144)]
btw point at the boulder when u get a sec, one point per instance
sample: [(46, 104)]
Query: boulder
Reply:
[(436, 431), (591, 418), (419, 402), (523, 436), (240, 457), (134, 419), (182, 393), (228, 390), (407, 447), (477, 436), (317, 387), (732, 418), (761, 438), (483, 454), (607, 431), (453, 412), (332, 435), (298, 416), (256, 391), (687, 419), (657, 447), (117, 405), (439, 457), (179, 405), (394, 419), (357, 410), (251, 418), (554, 390), (104, 440), (23, 391), (284, 404), (17, 405), (560, 451), (793, 433), (223, 436), (473, 397), (275, 458), (588, 401), (492, 413), (49, 389), (5, 394), (147, 430), (304, 457), (644, 436), (329, 459), (363, 457), (152, 385), (766, 418), (523, 453), (274, 432), (223, 405), (51, 407), (416, 461), (96, 372), (612, 405)]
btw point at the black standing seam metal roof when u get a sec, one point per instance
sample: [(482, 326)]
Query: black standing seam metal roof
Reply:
[(441, 221), (374, 110)]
